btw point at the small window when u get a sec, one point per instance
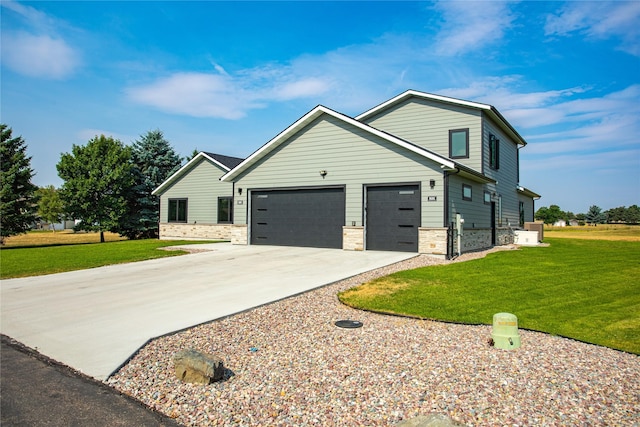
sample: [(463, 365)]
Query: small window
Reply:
[(177, 210), (225, 207), (459, 143), (494, 152), (487, 198), (466, 192), (521, 209)]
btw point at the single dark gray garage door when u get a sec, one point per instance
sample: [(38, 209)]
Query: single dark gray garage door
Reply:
[(393, 218), (303, 217)]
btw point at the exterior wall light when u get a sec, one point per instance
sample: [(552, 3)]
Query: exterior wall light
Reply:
[(240, 191), (323, 173), (432, 183)]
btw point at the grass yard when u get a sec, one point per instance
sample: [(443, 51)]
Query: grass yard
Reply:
[(63, 237), (629, 233), (583, 289), (63, 255)]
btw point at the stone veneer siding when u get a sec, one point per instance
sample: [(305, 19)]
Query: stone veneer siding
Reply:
[(353, 238), (239, 234), (432, 241), (195, 231)]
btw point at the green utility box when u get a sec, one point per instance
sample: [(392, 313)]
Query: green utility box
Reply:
[(505, 331)]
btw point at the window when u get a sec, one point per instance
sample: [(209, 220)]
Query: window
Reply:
[(459, 143), (487, 198), (466, 192), (225, 208), (521, 209), (494, 152), (177, 210)]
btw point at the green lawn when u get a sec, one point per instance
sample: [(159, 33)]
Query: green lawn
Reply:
[(35, 261), (583, 289)]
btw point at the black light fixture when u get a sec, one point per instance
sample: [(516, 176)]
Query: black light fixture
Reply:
[(432, 183), (323, 173), (240, 191)]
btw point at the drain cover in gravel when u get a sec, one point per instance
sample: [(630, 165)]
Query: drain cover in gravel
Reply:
[(348, 324)]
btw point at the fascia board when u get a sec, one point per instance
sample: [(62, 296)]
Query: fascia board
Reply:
[(273, 143), (492, 111), (313, 114), (424, 95), (185, 168)]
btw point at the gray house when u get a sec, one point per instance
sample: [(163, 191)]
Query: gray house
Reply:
[(393, 178), (194, 203)]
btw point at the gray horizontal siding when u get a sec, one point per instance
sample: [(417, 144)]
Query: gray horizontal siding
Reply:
[(352, 158), (506, 175), (476, 213), (427, 123), (201, 186)]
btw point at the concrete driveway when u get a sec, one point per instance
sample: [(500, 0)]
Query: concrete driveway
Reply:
[(94, 320)]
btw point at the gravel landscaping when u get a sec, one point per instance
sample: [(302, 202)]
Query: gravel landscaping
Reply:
[(289, 365)]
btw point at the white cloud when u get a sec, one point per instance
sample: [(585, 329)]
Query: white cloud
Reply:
[(39, 55), (599, 20), (38, 50), (223, 95), (470, 25)]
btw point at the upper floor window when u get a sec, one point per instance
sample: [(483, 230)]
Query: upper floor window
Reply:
[(177, 210), (459, 143), (466, 192), (225, 206), (494, 152)]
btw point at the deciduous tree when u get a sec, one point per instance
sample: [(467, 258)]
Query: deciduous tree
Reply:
[(97, 178), (18, 199), (50, 207), (549, 215)]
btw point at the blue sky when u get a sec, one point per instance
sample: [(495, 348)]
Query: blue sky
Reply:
[(226, 77)]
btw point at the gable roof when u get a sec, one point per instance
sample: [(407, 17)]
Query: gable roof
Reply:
[(318, 111), (490, 110), (226, 163)]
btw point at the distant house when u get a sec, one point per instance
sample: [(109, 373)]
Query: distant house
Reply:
[(194, 204), (393, 178), (560, 223)]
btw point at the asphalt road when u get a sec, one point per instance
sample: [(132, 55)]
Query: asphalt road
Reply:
[(36, 391)]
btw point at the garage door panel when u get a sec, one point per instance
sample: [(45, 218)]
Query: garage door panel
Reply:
[(393, 218), (304, 217)]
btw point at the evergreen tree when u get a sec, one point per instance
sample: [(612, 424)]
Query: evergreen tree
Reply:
[(154, 161), (595, 215), (50, 205), (97, 178), (18, 199)]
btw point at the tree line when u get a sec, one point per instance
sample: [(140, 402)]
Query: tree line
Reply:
[(106, 186), (595, 215)]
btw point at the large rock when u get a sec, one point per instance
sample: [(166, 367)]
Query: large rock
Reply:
[(433, 420), (195, 367)]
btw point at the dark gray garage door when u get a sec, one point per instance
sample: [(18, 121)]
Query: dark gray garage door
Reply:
[(393, 218), (305, 217)]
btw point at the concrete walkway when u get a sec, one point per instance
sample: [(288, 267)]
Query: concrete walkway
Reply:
[(94, 320)]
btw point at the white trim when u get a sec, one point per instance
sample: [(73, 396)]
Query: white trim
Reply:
[(185, 167), (312, 115), (495, 115), (425, 95)]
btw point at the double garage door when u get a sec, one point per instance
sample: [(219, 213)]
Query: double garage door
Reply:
[(315, 217), (303, 217)]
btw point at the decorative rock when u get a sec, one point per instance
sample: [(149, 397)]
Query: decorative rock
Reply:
[(192, 366), (433, 420)]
